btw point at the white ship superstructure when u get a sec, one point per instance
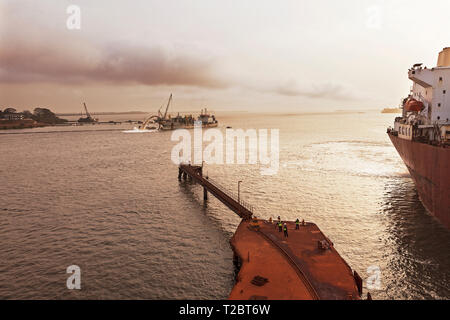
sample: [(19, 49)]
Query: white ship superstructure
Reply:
[(426, 111)]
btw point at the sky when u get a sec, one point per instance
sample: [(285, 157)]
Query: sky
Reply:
[(260, 56)]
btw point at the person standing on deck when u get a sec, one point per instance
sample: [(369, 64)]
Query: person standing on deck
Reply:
[(285, 230), (297, 224), (280, 226)]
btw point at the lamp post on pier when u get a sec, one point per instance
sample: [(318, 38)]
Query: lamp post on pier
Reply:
[(239, 191)]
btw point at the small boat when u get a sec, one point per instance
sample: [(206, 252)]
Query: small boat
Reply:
[(412, 104)]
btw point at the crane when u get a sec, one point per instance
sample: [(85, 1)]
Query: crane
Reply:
[(89, 118), (167, 108), (88, 115)]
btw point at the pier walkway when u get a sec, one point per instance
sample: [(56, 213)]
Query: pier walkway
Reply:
[(238, 206)]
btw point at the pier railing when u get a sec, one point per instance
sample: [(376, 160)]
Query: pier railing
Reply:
[(232, 195), (241, 207)]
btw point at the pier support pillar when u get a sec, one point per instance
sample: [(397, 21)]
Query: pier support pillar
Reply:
[(205, 194), (180, 172), (184, 175)]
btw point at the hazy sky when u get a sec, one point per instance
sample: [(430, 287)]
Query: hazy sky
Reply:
[(227, 55)]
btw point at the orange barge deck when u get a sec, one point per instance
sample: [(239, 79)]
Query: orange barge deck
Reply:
[(295, 268), (304, 266)]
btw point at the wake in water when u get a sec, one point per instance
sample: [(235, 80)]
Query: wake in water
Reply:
[(137, 130)]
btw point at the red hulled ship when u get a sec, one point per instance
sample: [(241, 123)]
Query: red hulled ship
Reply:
[(422, 135)]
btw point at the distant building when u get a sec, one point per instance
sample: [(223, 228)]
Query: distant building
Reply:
[(12, 116)]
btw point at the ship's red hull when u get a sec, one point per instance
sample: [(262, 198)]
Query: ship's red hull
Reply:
[(430, 169)]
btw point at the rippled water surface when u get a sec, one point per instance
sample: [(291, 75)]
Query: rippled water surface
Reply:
[(110, 202)]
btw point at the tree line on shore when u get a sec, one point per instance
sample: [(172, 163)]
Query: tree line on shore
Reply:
[(41, 115)]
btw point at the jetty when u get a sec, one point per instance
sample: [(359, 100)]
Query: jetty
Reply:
[(303, 266)]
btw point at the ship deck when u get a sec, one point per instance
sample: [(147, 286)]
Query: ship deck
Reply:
[(294, 267)]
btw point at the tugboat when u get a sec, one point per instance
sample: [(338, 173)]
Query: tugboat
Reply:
[(422, 135), (165, 122)]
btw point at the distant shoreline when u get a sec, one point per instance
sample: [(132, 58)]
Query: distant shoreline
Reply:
[(102, 113), (391, 110)]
